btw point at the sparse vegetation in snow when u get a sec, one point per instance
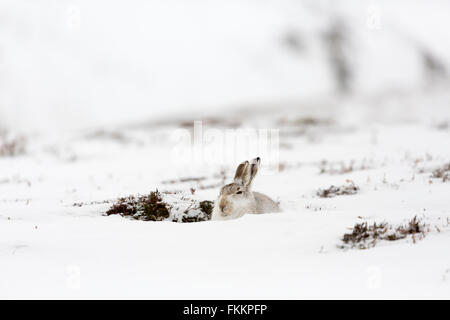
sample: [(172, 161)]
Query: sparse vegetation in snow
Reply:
[(174, 206), (346, 189), (442, 173), (343, 167), (364, 235)]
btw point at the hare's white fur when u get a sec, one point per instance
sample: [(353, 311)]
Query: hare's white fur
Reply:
[(236, 199)]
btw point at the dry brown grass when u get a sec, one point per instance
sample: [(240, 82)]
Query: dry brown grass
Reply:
[(152, 207), (442, 173), (335, 168), (347, 189), (364, 236)]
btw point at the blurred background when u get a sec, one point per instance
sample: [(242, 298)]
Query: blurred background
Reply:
[(99, 100), (67, 65)]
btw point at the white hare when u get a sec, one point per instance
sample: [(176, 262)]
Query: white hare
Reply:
[(236, 198)]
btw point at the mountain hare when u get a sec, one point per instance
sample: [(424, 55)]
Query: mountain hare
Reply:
[(236, 198)]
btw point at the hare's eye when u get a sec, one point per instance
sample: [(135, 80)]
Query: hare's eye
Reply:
[(239, 192)]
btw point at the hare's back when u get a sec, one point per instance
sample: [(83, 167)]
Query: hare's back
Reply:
[(264, 204)]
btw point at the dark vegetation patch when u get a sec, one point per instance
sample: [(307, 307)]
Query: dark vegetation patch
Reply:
[(442, 173), (347, 189), (11, 145), (206, 207), (158, 206), (147, 207), (364, 236)]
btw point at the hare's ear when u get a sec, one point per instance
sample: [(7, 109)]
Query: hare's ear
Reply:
[(254, 166), (241, 173)]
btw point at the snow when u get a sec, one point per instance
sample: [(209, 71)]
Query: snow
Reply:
[(102, 101), (52, 249)]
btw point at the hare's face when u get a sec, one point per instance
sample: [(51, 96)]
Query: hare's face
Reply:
[(234, 199)]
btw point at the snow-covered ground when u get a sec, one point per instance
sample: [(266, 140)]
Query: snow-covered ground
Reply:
[(50, 248), (357, 91)]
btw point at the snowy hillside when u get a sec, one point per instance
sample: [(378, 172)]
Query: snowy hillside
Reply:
[(77, 64)]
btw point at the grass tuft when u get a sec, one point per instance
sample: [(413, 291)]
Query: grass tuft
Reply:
[(364, 236), (347, 189), (442, 173), (157, 206)]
